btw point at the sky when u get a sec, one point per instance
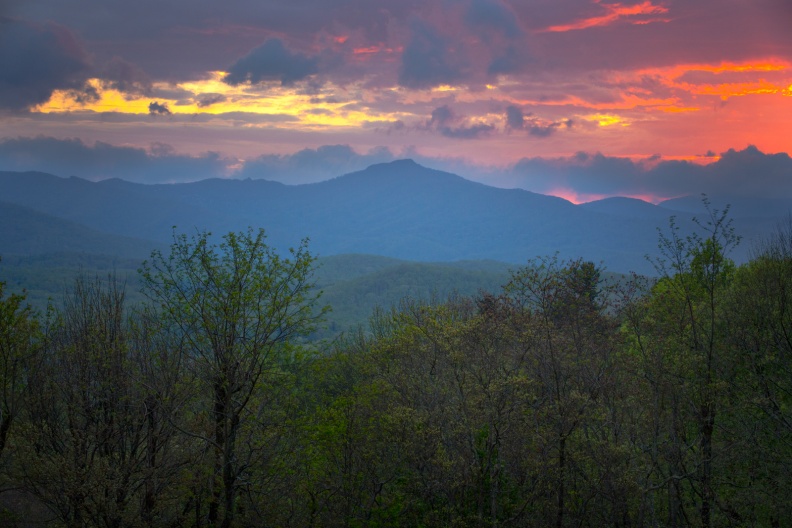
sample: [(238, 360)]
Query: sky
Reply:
[(578, 98)]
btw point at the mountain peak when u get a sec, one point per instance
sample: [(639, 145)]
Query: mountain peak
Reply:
[(399, 164), (405, 162)]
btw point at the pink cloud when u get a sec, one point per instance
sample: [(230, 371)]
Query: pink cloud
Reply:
[(614, 13)]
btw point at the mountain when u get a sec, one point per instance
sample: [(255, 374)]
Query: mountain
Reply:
[(628, 208), (740, 206), (398, 210), (24, 231)]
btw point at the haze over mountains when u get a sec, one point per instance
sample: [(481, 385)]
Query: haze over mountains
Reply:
[(398, 209)]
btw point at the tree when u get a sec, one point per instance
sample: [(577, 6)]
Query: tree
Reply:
[(759, 317), (680, 338), (239, 307), (91, 446), (575, 372), (19, 333)]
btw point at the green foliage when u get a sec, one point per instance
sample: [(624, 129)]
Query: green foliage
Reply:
[(19, 336), (46, 278), (238, 309), (354, 299), (566, 399)]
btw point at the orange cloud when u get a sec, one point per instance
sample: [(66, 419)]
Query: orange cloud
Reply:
[(736, 89), (615, 12), (676, 71), (626, 101), (674, 77)]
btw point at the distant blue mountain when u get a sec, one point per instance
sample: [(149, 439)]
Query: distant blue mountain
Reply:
[(628, 207), (398, 209), (24, 231)]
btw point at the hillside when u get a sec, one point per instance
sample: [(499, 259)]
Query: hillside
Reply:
[(353, 285), (24, 231)]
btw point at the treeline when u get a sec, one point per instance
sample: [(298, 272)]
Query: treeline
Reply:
[(557, 401)]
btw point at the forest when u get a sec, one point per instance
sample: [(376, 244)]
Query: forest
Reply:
[(559, 400)]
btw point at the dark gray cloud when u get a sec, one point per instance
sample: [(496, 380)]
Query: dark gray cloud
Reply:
[(156, 108), (746, 173), (492, 15), (473, 131), (272, 61), (429, 59), (441, 116), (37, 59), (126, 77), (450, 125), (208, 99), (538, 129), (751, 172), (186, 39), (515, 119), (180, 40), (87, 94), (72, 157), (507, 61)]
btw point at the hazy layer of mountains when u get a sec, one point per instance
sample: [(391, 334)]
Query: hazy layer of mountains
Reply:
[(399, 210)]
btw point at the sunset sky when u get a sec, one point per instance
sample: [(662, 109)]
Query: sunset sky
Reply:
[(503, 91)]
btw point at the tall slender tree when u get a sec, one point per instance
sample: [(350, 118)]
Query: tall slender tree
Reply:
[(239, 307)]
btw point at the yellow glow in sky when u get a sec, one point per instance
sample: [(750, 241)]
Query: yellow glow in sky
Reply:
[(606, 120), (273, 100)]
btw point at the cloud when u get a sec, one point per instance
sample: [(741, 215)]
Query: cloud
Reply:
[(450, 125), (127, 78), (748, 173), (312, 165), (474, 131), (515, 119), (208, 99), (72, 157), (428, 59), (441, 116), (37, 59), (506, 62), (536, 128), (184, 43), (635, 14), (156, 108), (492, 16), (72, 120), (87, 94), (272, 61)]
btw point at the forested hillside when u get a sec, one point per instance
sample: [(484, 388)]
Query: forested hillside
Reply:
[(556, 400), (352, 284)]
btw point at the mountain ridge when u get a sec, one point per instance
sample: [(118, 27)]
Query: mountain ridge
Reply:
[(398, 209)]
